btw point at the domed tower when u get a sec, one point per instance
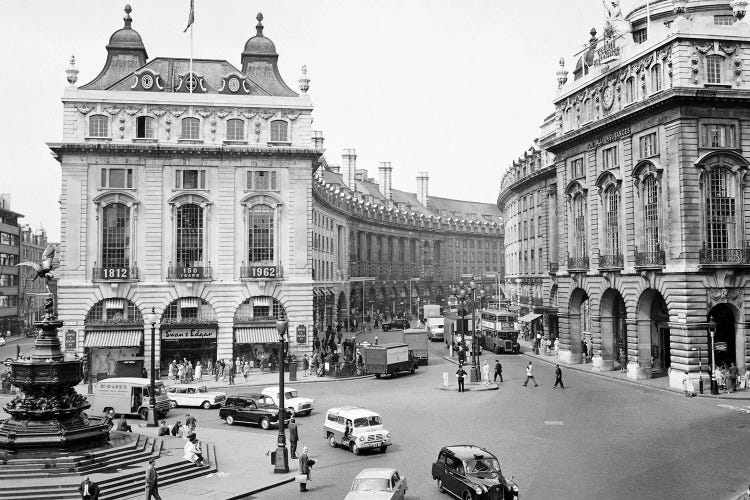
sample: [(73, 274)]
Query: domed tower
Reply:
[(259, 63), (125, 54)]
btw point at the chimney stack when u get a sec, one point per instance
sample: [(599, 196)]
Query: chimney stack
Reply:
[(385, 179), (317, 138), (348, 168), (422, 193)]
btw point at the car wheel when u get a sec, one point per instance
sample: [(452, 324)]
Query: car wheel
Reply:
[(377, 375), (230, 420), (206, 405), (332, 441), (143, 413), (383, 449), (497, 349), (412, 370), (441, 488), (355, 449), (467, 495), (172, 403), (265, 423)]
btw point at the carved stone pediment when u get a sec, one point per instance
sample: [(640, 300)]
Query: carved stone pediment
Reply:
[(725, 295)]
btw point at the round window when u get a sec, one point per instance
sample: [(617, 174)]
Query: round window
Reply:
[(147, 81), (234, 84)]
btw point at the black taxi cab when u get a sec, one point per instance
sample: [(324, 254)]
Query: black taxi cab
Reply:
[(472, 473)]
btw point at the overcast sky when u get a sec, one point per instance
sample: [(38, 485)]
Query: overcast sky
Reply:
[(457, 88)]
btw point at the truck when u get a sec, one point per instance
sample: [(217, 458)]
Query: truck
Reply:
[(388, 359), (128, 396), (432, 311), (436, 329), (417, 341)]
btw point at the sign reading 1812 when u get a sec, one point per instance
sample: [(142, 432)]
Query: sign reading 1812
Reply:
[(114, 273), (263, 272)]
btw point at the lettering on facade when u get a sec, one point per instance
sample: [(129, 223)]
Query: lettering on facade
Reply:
[(188, 333), (606, 139), (70, 340), (301, 334)]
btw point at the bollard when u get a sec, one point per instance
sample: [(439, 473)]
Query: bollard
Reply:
[(450, 350), (445, 379)]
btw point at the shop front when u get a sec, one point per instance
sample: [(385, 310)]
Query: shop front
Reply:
[(192, 342), (114, 352), (255, 336)]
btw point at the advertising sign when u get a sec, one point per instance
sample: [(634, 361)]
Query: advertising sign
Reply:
[(70, 340), (301, 334), (188, 333)]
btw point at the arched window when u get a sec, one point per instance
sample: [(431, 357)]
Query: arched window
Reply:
[(189, 247), (144, 127), (656, 81), (720, 195), (260, 234), (579, 227), (714, 71), (650, 197), (235, 130), (612, 222), (116, 236), (191, 129), (279, 131), (629, 90), (98, 126)]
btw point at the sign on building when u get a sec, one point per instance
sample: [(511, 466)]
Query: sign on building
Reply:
[(70, 340), (301, 334), (188, 333)]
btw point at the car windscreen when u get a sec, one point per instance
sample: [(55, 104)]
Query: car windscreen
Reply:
[(159, 390), (290, 394), (371, 484), (367, 421), (482, 465), (202, 389)]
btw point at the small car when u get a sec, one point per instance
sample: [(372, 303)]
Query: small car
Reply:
[(257, 409), (365, 429), (2, 341), (385, 484), (294, 404), (471, 472), (396, 324), (194, 395)]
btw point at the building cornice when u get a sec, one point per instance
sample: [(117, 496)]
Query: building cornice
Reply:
[(548, 171)]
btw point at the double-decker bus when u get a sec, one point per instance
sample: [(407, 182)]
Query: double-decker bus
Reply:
[(499, 331)]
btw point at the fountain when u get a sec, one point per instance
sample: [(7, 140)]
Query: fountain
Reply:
[(49, 414)]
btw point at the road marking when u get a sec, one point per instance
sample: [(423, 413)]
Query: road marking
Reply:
[(743, 409), (553, 422)]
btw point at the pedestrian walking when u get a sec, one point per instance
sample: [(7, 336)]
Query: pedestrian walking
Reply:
[(190, 422), (733, 374), (558, 378), (246, 370), (230, 372), (88, 489), (584, 352), (152, 481), (198, 371), (305, 365), (486, 372), (530, 375), (498, 370), (590, 347), (460, 374), (623, 361), (293, 437), (305, 469)]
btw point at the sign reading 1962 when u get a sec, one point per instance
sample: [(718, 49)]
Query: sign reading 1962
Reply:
[(263, 272)]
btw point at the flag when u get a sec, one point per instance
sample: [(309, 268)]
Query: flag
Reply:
[(191, 17)]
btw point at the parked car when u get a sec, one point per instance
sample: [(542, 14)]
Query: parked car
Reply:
[(471, 472), (396, 324), (194, 395), (294, 404), (365, 429), (385, 484), (256, 409)]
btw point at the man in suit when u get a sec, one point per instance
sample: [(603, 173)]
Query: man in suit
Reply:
[(152, 481), (88, 489), (293, 437), (305, 466)]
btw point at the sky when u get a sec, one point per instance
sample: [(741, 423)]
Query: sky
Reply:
[(457, 88)]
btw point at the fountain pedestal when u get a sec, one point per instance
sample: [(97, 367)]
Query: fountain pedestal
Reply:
[(49, 413)]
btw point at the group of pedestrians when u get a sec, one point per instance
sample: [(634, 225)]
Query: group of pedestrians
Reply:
[(461, 375), (90, 490), (305, 462)]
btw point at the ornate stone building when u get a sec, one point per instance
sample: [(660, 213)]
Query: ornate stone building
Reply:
[(10, 249), (651, 148)]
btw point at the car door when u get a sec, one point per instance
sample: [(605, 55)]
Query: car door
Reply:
[(452, 482), (398, 486), (251, 413), (190, 397), (238, 412)]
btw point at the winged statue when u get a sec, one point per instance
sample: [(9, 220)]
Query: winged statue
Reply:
[(43, 268)]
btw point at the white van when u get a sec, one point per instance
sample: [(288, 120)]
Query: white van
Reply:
[(436, 329), (365, 429), (128, 396)]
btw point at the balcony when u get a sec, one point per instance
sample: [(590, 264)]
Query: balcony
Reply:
[(613, 261), (114, 273), (193, 273), (260, 272), (725, 256), (578, 264), (553, 267), (648, 260)]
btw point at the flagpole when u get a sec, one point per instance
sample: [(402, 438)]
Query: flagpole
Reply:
[(191, 60), (648, 20)]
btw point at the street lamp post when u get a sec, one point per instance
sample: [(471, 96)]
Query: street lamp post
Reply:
[(700, 368), (410, 280), (712, 332), (461, 293), (152, 388), (281, 464), (475, 347), (362, 280)]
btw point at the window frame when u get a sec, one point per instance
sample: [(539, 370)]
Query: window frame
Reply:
[(643, 152), (287, 132), (148, 129), (94, 128), (180, 179), (704, 136), (574, 173), (233, 137), (183, 129), (267, 247), (200, 235), (717, 77), (614, 157), (252, 176), (105, 178)]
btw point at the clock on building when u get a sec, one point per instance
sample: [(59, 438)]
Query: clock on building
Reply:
[(609, 97)]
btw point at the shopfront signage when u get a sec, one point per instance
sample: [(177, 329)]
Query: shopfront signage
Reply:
[(606, 139), (720, 346), (114, 273), (301, 334), (70, 340), (264, 272), (188, 333)]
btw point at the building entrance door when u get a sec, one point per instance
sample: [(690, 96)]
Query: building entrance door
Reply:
[(659, 349)]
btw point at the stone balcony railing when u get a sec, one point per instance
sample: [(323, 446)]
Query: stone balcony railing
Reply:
[(654, 259), (725, 256), (611, 261)]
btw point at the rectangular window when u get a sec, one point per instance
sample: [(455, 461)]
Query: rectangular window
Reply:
[(8, 259), (609, 158), (144, 127), (9, 239), (641, 35), (576, 168), (8, 300), (191, 129), (190, 179), (656, 78), (724, 20), (713, 69), (8, 280), (264, 180), (648, 146), (719, 135), (117, 178), (539, 226), (98, 126), (279, 131)]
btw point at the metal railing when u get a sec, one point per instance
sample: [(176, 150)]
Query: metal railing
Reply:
[(650, 259), (724, 255), (578, 263), (611, 261)]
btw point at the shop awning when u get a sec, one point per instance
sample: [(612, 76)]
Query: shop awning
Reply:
[(256, 335), (529, 317), (114, 338), (262, 301)]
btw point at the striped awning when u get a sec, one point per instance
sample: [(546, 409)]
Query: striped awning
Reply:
[(115, 303), (190, 302), (256, 335), (262, 301), (114, 338)]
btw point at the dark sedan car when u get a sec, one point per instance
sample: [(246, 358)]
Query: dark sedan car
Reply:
[(396, 324), (472, 473), (257, 409)]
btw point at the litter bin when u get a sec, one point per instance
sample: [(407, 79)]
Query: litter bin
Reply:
[(292, 371)]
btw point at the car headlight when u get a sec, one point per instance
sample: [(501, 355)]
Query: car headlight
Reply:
[(388, 435), (478, 489), (515, 488), (361, 438)]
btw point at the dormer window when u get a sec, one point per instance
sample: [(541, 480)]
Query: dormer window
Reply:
[(279, 131), (98, 126), (144, 127)]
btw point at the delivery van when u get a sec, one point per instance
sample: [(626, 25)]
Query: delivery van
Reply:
[(128, 396)]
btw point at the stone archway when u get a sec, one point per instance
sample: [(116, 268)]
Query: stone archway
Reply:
[(613, 343), (652, 323), (576, 324)]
